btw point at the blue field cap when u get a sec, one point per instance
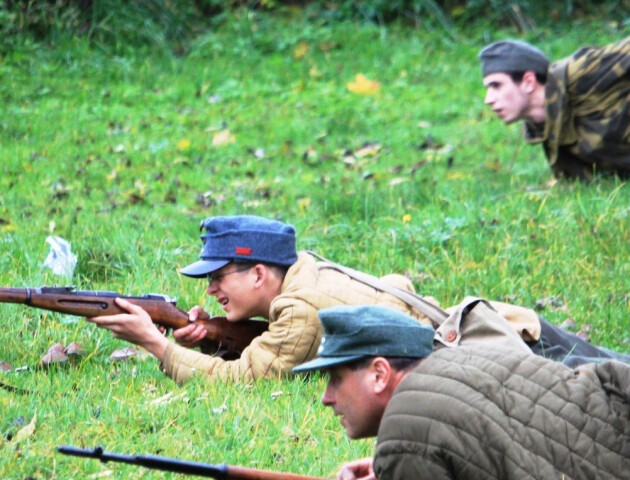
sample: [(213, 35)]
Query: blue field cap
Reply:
[(243, 238), (355, 332)]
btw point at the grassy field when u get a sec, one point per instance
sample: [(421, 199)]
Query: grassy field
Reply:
[(123, 156)]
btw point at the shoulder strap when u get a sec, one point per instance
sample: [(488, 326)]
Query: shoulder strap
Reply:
[(432, 312)]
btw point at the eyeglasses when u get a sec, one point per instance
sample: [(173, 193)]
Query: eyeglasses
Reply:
[(218, 276)]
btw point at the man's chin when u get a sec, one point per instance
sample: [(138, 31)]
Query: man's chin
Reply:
[(509, 120), (354, 435)]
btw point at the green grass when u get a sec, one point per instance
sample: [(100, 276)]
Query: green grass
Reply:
[(116, 155)]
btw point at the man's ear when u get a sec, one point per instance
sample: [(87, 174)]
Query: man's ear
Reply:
[(529, 81), (262, 272), (382, 374)]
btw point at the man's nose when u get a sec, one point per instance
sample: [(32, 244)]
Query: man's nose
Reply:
[(328, 397), (212, 287)]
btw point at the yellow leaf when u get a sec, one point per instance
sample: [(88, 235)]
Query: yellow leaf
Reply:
[(300, 50), (327, 47), (314, 73), (363, 85), (224, 137), (26, 431), (368, 150), (304, 203), (493, 165), (456, 176), (406, 218), (183, 144)]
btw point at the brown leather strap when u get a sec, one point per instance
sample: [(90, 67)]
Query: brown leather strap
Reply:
[(432, 312)]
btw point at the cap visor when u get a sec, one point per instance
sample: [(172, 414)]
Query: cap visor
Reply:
[(323, 363), (202, 268)]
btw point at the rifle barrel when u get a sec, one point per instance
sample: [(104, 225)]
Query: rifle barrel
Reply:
[(221, 471)]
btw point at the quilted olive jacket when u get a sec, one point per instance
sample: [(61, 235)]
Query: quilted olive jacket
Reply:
[(476, 414)]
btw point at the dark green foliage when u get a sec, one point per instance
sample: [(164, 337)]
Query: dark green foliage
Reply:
[(114, 24), (173, 24)]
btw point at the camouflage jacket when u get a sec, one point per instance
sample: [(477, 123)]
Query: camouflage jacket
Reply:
[(587, 99)]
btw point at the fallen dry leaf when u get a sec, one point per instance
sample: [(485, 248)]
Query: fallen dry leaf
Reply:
[(74, 349), (310, 156), (223, 137), (328, 46), (584, 335), (549, 302), (57, 347), (55, 354), (183, 145), (54, 357), (369, 149), (304, 203), (123, 354), (288, 432), (26, 431), (103, 474), (363, 85), (300, 50), (168, 398)]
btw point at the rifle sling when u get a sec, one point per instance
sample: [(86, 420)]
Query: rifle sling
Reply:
[(432, 312)]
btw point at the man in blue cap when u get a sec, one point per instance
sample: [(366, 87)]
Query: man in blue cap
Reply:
[(471, 412), (254, 270), (578, 107)]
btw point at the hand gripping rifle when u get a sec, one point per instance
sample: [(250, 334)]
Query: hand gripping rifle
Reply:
[(233, 336), (222, 471)]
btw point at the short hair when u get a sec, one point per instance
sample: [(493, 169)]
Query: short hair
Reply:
[(281, 270), (517, 77), (397, 363)]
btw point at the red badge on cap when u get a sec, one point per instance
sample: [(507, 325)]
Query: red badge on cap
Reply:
[(243, 251)]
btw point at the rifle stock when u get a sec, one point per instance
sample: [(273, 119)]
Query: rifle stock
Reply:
[(234, 336), (222, 471)]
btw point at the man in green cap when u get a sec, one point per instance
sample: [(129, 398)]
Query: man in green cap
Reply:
[(578, 107), (467, 413)]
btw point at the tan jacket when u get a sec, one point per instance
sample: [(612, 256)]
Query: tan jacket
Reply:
[(294, 329)]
